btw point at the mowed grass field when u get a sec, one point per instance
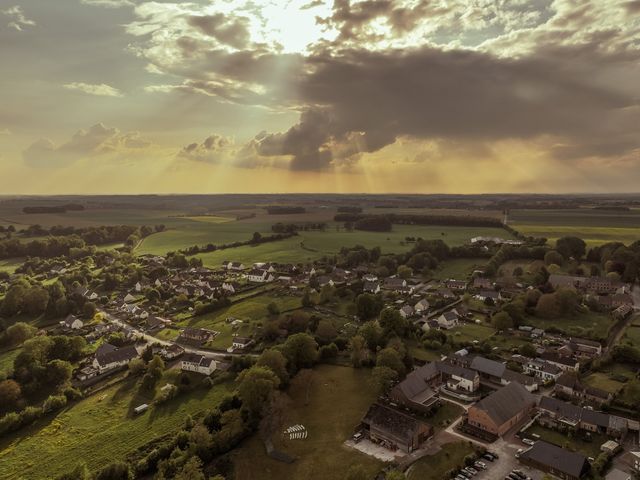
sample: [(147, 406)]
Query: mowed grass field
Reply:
[(436, 466), (338, 398), (458, 268), (594, 226), (98, 430), (590, 325)]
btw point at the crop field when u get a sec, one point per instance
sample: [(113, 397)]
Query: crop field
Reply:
[(593, 226), (328, 427), (97, 430)]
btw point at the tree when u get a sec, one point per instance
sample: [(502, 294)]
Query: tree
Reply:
[(256, 385), (395, 475), (552, 257), (358, 348), (273, 309), (20, 332), (383, 378), (276, 362), (200, 441), (547, 307), (372, 333), (301, 350), (274, 414), (571, 247), (80, 472), (326, 331), (58, 372), (10, 394), (390, 358), (114, 471), (192, 470), (392, 322), (156, 367), (368, 306), (404, 271), (527, 350), (36, 300), (89, 310), (137, 366), (306, 300), (501, 321)]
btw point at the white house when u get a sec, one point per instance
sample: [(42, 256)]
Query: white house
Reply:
[(236, 266), (482, 295), (240, 343), (406, 311), (260, 276), (109, 357), (228, 287), (448, 320), (192, 362), (72, 322), (422, 306), (371, 286)]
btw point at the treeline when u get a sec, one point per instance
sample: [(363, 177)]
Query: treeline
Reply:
[(349, 209), (256, 239), (57, 246), (91, 235), (284, 210), (296, 227), (406, 219), (56, 209), (373, 224)]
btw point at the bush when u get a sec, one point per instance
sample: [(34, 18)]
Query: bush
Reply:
[(10, 422), (54, 403)]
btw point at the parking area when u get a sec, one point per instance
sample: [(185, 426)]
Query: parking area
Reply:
[(500, 468), (369, 448)]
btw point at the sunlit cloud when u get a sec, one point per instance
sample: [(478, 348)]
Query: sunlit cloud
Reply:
[(101, 90), (17, 18)]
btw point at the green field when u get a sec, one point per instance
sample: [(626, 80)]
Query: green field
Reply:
[(338, 398), (632, 335), (603, 382), (458, 268), (576, 444), (590, 324), (9, 265), (593, 226), (97, 430), (471, 331), (252, 311), (436, 466), (6, 359)]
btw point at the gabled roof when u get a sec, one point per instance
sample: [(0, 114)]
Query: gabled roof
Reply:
[(506, 403), (561, 460), (488, 367), (396, 423), (119, 355)]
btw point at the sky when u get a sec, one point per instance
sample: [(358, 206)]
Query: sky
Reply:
[(373, 96)]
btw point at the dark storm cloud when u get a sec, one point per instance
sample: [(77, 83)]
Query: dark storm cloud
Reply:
[(633, 7), (369, 99)]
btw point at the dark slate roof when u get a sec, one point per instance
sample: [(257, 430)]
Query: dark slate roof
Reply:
[(561, 460), (396, 423), (504, 404), (450, 316), (121, 354), (574, 413), (488, 367), (461, 372)]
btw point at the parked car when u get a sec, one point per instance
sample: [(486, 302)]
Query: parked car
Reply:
[(471, 470), (528, 441), (488, 457), (479, 464)]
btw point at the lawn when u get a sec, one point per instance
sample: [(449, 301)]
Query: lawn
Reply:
[(575, 443), (98, 430), (604, 382), (421, 353), (445, 415), (459, 268), (593, 226), (253, 311), (435, 467), (632, 335), (339, 397), (6, 359), (469, 332), (590, 324)]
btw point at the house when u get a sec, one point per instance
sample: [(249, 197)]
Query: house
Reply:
[(193, 362), (128, 298), (448, 320), (108, 357), (241, 343), (260, 276), (72, 323), (194, 336), (421, 307), (481, 283), (622, 312), (633, 460), (171, 351), (502, 410), (459, 381), (418, 390), (157, 323), (563, 362), (568, 385), (455, 285), (395, 284), (616, 474), (557, 461), (394, 429), (407, 311), (324, 280), (371, 286), (482, 295), (445, 293), (547, 372), (585, 347), (234, 266)]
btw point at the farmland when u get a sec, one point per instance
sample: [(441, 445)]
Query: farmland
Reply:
[(593, 226), (97, 430), (328, 427)]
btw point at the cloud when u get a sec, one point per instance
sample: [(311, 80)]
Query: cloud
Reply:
[(233, 32), (214, 149), (97, 141), (109, 3), (5, 132), (17, 18), (101, 90)]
